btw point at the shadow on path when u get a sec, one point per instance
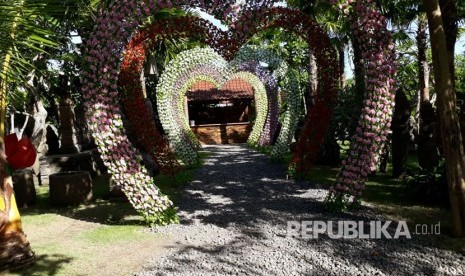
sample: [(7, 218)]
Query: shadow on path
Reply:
[(234, 218)]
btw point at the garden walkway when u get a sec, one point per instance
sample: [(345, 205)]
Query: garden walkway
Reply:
[(234, 222)]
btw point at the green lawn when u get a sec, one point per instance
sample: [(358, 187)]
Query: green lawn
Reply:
[(101, 238)]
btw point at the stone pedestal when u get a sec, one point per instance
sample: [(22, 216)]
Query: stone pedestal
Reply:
[(70, 188), (23, 185), (82, 161)]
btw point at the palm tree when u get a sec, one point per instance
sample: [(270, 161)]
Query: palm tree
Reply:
[(27, 33), (336, 25)]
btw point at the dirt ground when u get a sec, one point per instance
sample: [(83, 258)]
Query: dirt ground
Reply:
[(67, 246)]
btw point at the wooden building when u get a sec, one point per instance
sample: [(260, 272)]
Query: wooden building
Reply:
[(221, 116)]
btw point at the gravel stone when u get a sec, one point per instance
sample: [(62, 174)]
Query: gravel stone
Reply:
[(234, 218)]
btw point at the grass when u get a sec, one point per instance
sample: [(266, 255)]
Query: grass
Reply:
[(100, 238), (169, 185), (112, 234), (388, 196)]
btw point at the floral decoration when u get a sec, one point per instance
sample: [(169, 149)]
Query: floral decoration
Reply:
[(370, 28), (171, 88), (103, 54), (291, 115)]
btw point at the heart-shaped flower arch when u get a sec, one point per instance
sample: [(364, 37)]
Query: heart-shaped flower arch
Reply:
[(117, 23), (229, 43), (172, 87), (133, 62), (178, 78), (180, 73)]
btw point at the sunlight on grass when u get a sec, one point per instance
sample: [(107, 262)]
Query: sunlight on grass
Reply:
[(34, 220), (100, 238), (116, 234)]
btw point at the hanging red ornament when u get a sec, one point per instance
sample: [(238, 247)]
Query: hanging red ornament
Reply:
[(21, 153)]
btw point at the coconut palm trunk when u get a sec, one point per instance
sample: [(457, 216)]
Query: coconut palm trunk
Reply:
[(15, 251)]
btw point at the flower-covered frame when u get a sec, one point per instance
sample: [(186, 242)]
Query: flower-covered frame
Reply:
[(118, 22)]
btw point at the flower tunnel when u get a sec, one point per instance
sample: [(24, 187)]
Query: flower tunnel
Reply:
[(112, 86)]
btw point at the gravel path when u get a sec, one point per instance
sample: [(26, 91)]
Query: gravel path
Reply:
[(234, 222)]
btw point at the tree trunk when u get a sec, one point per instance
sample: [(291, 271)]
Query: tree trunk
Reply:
[(423, 67), (450, 23), (449, 121), (312, 70), (359, 71), (400, 134), (15, 251), (340, 50)]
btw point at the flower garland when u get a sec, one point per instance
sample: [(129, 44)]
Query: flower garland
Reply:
[(291, 116), (317, 121), (249, 58), (246, 56), (135, 108), (250, 53), (261, 104), (271, 86), (370, 28)]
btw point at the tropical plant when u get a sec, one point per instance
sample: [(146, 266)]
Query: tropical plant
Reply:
[(27, 36)]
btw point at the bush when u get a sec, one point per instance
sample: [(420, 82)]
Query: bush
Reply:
[(428, 187)]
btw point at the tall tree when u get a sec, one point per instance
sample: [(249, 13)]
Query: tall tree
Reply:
[(449, 121), (335, 24), (449, 10), (422, 61)]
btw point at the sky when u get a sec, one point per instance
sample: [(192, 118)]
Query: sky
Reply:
[(459, 46)]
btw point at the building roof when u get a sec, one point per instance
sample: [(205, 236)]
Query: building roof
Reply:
[(231, 90)]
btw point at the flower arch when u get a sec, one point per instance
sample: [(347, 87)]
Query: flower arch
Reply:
[(184, 70), (139, 116), (205, 72), (291, 116), (279, 69), (261, 102), (249, 59), (118, 22), (172, 86), (228, 43), (132, 100)]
